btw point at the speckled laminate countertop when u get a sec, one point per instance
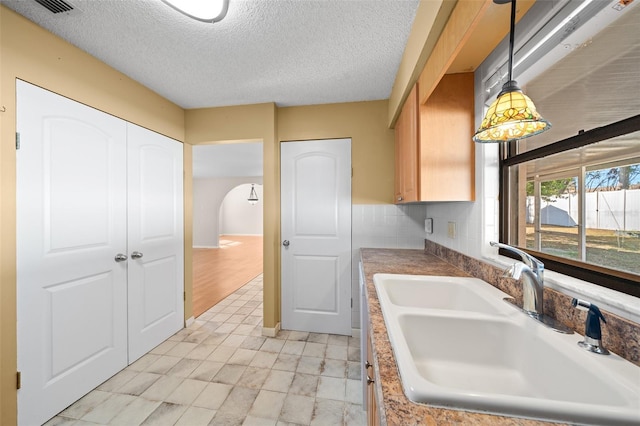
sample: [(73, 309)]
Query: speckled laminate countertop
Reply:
[(395, 408)]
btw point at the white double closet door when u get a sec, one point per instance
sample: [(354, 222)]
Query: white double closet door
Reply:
[(99, 247)]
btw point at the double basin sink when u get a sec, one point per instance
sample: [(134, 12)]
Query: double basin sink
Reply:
[(458, 345)]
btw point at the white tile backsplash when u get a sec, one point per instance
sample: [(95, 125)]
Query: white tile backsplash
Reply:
[(477, 221), (382, 226)]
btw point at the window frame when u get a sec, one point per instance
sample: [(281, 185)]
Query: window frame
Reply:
[(606, 277)]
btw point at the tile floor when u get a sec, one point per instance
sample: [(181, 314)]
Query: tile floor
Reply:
[(222, 371)]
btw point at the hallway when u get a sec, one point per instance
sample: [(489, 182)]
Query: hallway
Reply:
[(218, 272), (222, 371)]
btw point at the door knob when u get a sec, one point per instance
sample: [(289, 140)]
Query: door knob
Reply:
[(285, 243), (120, 257), (136, 255)]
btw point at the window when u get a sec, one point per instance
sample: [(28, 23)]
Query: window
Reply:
[(571, 196)]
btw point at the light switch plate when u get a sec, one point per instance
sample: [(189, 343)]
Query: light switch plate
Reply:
[(428, 225)]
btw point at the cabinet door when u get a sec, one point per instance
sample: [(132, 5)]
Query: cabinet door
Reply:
[(407, 131), (71, 223), (447, 152), (155, 239)]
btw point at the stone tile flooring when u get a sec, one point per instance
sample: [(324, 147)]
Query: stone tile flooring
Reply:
[(222, 371)]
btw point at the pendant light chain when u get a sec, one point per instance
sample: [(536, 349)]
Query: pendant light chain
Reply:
[(512, 31)]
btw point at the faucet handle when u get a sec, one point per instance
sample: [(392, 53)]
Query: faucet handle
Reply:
[(592, 330), (515, 270)]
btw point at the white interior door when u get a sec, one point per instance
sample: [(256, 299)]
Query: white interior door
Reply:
[(156, 254), (71, 223), (316, 234)]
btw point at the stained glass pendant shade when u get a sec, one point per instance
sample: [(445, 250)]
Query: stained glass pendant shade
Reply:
[(512, 115)]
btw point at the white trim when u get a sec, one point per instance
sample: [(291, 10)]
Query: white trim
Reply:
[(355, 332), (271, 332), (205, 247), (189, 321)]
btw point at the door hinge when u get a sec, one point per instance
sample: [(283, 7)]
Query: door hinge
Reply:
[(17, 140), (352, 302), (18, 380), (184, 296)]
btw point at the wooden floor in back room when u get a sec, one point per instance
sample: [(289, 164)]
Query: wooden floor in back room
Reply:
[(218, 272)]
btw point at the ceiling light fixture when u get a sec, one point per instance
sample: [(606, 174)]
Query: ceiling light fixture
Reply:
[(512, 115), (253, 196), (202, 10)]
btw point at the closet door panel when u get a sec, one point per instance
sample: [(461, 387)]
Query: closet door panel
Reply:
[(71, 223), (156, 254)]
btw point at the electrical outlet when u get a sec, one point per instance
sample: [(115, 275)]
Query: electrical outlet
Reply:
[(451, 230), (428, 225)]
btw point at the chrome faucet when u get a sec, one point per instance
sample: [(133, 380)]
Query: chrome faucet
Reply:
[(532, 273)]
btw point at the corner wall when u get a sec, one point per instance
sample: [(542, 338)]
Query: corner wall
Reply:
[(32, 54), (372, 159)]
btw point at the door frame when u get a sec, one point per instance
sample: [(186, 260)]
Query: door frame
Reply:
[(188, 182)]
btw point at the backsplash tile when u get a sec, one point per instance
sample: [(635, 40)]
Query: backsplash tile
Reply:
[(382, 226), (619, 335)]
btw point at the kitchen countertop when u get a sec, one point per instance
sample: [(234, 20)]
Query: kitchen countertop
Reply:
[(394, 407)]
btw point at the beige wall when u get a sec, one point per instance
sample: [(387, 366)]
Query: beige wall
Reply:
[(372, 159), (247, 123), (372, 145), (32, 54)]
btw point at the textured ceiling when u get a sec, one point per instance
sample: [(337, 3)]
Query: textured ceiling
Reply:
[(291, 52)]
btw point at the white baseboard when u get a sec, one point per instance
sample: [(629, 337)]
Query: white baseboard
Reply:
[(189, 321), (271, 332), (206, 247), (355, 332)]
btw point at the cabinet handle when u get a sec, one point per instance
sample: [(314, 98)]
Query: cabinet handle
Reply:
[(370, 380), (400, 198), (367, 365)]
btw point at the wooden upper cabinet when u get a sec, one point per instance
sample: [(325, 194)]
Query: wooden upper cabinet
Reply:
[(435, 155), (446, 150), (407, 132)]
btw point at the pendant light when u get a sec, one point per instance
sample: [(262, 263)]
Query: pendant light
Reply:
[(512, 115), (253, 196)]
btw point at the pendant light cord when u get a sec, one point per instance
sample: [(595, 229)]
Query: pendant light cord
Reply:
[(512, 37)]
